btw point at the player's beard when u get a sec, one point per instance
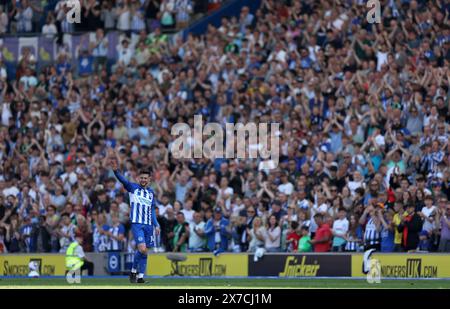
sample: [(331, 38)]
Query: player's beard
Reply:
[(144, 184)]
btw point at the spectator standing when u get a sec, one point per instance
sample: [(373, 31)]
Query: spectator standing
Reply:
[(411, 226), (181, 234), (444, 242), (340, 230), (62, 23), (305, 243), (49, 29), (170, 223), (100, 239), (24, 17), (25, 235), (100, 50), (322, 238), (28, 79), (167, 10), (387, 234), (397, 219), (108, 15), (51, 225), (66, 232), (256, 235), (137, 18), (125, 52), (116, 234), (38, 13), (188, 211), (3, 20), (197, 240), (183, 9), (272, 237), (285, 187), (355, 235), (123, 17), (217, 232), (372, 224), (428, 214), (293, 236)]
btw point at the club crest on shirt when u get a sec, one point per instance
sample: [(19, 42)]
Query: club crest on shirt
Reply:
[(143, 200)]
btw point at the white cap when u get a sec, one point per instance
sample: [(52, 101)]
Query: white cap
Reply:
[(379, 140)]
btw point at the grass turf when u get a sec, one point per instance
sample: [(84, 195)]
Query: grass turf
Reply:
[(189, 283)]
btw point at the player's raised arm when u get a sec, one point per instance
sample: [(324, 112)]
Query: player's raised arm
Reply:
[(115, 167)]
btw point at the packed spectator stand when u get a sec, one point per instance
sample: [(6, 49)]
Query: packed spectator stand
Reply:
[(363, 109)]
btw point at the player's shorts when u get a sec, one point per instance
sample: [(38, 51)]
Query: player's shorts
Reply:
[(143, 234)]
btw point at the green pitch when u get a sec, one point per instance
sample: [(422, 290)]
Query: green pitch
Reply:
[(190, 283)]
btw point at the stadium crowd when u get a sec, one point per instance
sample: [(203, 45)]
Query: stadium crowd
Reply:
[(364, 137), (49, 16)]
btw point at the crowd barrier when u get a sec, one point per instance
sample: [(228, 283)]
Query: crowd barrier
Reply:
[(411, 265)]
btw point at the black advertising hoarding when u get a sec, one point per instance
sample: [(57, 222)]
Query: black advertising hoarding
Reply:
[(301, 265)]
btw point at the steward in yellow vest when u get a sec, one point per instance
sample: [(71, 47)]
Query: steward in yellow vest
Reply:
[(75, 257)]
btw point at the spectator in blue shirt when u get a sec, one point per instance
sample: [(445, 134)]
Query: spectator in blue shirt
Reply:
[(217, 232)]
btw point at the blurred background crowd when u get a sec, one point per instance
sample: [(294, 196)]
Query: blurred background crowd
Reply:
[(363, 113), (49, 16)]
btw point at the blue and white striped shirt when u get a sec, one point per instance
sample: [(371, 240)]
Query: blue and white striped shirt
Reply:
[(142, 202), (115, 244), (101, 242), (372, 234), (137, 21)]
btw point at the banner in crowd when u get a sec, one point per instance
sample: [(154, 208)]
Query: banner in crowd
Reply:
[(301, 265), (17, 265), (406, 265), (45, 49), (197, 265)]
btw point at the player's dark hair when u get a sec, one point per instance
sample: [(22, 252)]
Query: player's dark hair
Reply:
[(147, 171)]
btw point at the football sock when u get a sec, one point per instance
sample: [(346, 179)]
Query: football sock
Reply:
[(136, 260), (142, 264)]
